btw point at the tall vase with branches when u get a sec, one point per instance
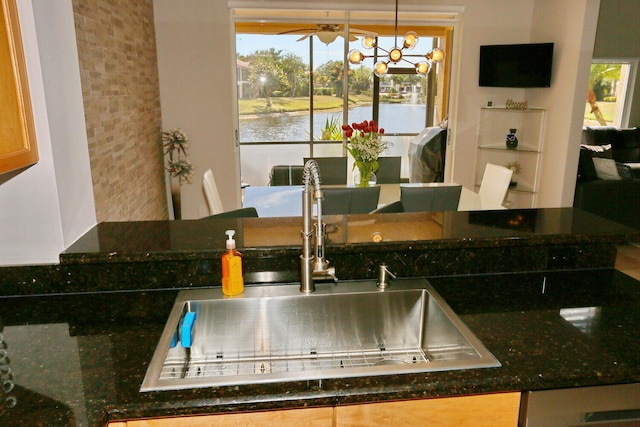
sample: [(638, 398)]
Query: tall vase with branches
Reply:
[(176, 143)]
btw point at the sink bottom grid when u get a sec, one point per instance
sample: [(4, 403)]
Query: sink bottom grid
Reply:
[(220, 365)]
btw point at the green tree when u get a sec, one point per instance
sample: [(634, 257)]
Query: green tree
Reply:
[(360, 80), (295, 71), (332, 73), (267, 74)]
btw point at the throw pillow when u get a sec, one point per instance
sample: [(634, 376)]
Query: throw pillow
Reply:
[(624, 171), (606, 168), (586, 170), (603, 151)]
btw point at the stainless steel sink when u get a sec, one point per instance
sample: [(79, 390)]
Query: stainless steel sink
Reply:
[(275, 333)]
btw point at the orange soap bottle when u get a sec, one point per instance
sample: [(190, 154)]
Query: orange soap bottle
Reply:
[(232, 280)]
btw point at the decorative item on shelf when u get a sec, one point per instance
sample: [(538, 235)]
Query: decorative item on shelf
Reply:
[(512, 139), (365, 144), (176, 143), (516, 168), (395, 55), (516, 105)]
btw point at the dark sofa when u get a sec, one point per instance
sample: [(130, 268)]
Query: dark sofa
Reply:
[(614, 199)]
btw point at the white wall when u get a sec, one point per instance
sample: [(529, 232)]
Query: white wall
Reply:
[(197, 84), (44, 208), (487, 22), (573, 30), (570, 25)]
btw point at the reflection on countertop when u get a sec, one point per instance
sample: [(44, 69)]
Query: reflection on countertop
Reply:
[(185, 254), (111, 241)]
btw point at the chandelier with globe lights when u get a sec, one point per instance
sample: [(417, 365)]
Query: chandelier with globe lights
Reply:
[(421, 62)]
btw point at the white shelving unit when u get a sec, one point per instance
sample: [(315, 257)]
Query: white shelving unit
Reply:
[(495, 124)]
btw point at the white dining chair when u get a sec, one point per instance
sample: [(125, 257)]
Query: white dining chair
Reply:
[(211, 192), (495, 183)]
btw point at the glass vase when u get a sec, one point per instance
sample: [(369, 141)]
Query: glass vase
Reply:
[(363, 176)]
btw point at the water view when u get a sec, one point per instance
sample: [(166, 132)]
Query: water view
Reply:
[(257, 160), (394, 118)]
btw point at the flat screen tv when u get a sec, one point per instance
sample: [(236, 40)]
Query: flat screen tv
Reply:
[(516, 65)]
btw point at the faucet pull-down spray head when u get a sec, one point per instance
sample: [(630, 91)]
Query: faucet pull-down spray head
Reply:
[(313, 265)]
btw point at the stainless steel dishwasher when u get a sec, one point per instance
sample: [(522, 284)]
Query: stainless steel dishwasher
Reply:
[(602, 406)]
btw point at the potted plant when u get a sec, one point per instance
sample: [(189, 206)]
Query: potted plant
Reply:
[(179, 167)]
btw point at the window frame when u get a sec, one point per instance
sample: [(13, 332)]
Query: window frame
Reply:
[(276, 21), (630, 85)]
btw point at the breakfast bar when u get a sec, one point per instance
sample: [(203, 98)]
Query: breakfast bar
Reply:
[(540, 294)]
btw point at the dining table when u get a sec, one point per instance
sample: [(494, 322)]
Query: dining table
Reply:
[(286, 200)]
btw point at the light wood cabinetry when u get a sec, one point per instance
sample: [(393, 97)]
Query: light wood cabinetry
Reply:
[(490, 410), (495, 124), (487, 410), (311, 417)]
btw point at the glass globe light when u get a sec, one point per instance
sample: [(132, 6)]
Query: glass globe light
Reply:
[(395, 55), (355, 56), (410, 40), (368, 42), (435, 55), (423, 67), (380, 68)]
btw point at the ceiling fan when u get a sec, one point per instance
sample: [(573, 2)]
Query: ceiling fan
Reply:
[(327, 33)]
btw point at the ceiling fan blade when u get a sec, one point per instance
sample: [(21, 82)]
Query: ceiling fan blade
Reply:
[(299, 30), (363, 32), (305, 36)]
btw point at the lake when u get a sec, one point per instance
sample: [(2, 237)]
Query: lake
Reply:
[(394, 118), (257, 160)]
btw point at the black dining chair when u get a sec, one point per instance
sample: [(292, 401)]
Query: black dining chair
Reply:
[(286, 175), (351, 200), (333, 170), (438, 198), (388, 170)]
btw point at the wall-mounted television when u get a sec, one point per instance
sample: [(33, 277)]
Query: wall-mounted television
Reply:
[(516, 65)]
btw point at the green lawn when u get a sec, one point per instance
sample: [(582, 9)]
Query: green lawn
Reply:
[(606, 108), (289, 104), (324, 102)]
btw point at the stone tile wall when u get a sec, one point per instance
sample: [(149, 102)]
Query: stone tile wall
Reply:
[(120, 87)]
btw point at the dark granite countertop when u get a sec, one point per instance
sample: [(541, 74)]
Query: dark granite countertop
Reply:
[(79, 359), (184, 254), (146, 241)]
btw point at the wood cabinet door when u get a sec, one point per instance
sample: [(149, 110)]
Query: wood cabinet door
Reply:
[(489, 410), (312, 417), (17, 134)]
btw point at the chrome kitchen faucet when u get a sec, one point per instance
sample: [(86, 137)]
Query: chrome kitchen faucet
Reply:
[(313, 265)]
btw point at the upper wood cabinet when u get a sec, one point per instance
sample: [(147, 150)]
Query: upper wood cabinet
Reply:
[(17, 134)]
